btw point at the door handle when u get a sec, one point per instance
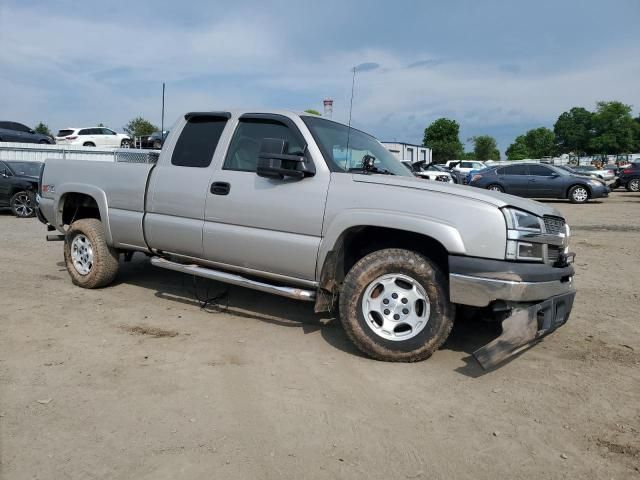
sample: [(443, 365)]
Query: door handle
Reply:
[(220, 188)]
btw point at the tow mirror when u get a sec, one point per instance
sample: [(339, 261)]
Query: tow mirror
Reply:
[(275, 162)]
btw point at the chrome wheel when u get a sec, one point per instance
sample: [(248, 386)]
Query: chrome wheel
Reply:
[(495, 188), (82, 254), (396, 307), (580, 194), (22, 205), (634, 185)]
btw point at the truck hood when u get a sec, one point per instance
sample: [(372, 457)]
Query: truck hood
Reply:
[(472, 193)]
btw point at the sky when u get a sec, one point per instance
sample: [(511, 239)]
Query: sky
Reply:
[(496, 67)]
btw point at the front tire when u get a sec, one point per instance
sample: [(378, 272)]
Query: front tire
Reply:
[(23, 204), (125, 143), (394, 306), (578, 194), (91, 263), (634, 185)]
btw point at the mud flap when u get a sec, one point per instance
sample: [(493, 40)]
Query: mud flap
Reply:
[(524, 327)]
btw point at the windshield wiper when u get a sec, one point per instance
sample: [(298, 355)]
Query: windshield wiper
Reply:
[(371, 170)]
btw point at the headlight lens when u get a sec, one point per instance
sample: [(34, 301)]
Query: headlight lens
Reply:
[(521, 221)]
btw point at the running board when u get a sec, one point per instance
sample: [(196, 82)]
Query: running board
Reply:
[(289, 292)]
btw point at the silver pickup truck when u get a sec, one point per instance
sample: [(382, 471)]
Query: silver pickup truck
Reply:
[(311, 209)]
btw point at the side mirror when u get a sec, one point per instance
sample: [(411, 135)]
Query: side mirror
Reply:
[(274, 162), (32, 131)]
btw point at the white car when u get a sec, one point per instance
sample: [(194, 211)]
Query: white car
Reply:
[(428, 172), (93, 137), (465, 166)]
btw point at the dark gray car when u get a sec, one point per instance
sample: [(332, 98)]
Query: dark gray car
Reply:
[(17, 132), (534, 180)]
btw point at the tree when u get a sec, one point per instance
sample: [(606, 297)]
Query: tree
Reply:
[(541, 142), (574, 130), (313, 112), (485, 148), (637, 120), (43, 128), (139, 127), (615, 131), (518, 149), (442, 137)]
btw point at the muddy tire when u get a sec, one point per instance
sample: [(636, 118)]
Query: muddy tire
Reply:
[(91, 263), (394, 306)]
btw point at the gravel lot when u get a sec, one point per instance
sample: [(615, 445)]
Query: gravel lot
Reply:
[(137, 381)]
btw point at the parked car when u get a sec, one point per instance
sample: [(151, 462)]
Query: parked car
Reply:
[(629, 178), (93, 137), (603, 174), (18, 186), (17, 132), (155, 140), (311, 209), (465, 166), (535, 180), (429, 172)]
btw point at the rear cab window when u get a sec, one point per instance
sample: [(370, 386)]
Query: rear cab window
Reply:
[(198, 140)]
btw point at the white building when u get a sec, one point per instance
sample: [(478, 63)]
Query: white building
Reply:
[(407, 152)]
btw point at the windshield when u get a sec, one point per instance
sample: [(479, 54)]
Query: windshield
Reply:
[(30, 169), (345, 149)]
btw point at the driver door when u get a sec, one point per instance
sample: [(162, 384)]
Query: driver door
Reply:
[(260, 224)]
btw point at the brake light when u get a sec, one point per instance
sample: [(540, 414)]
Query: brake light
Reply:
[(627, 170), (71, 137)]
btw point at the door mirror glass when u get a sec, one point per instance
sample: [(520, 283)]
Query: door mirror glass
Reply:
[(275, 162)]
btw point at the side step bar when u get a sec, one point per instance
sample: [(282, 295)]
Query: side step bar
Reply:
[(233, 279)]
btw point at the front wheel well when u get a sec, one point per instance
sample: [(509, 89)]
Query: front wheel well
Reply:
[(75, 206), (357, 242)]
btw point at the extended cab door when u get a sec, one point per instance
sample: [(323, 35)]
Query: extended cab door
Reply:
[(269, 226), (179, 186)]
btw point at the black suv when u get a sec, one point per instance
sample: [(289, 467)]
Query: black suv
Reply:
[(18, 186), (629, 177), (17, 132)]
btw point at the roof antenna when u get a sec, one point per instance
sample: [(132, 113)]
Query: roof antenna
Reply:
[(353, 82)]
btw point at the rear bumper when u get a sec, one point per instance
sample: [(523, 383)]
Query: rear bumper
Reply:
[(478, 282)]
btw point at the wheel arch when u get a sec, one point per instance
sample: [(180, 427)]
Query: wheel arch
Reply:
[(343, 247), (82, 201)]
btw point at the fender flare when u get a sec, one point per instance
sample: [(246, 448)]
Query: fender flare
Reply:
[(97, 194), (446, 234)]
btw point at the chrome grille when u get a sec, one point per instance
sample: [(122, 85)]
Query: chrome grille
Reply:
[(554, 225)]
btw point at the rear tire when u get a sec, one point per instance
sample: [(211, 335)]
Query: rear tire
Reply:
[(634, 185), (495, 188), (23, 204), (91, 263), (414, 297), (578, 194)]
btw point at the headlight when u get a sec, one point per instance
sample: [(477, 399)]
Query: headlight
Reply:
[(595, 182), (520, 223)]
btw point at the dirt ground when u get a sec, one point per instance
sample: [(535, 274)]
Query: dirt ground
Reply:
[(137, 381)]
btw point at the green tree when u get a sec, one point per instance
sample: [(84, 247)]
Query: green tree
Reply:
[(42, 128), (637, 147), (313, 112), (443, 138), (485, 148), (541, 142), (574, 130), (139, 127), (615, 130), (518, 149)]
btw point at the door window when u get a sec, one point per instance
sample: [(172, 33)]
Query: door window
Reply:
[(540, 171), (513, 170), (198, 141), (245, 146), (85, 131), (106, 131), (20, 128)]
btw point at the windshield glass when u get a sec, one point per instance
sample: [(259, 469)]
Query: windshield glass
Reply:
[(345, 149), (31, 169)]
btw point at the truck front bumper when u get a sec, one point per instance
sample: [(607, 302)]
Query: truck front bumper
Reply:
[(536, 298)]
